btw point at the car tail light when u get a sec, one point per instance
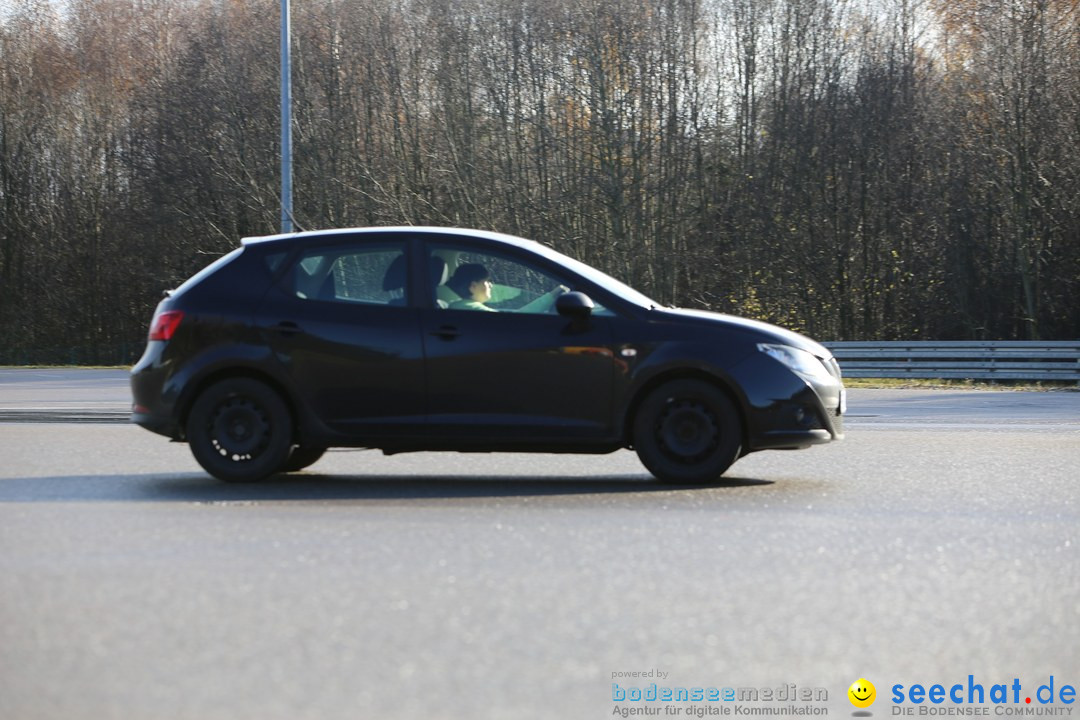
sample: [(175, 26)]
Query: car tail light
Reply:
[(164, 325)]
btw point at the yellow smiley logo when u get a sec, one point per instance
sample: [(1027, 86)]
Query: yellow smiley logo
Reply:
[(862, 693)]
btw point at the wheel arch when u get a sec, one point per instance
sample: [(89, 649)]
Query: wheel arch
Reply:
[(241, 371), (652, 383)]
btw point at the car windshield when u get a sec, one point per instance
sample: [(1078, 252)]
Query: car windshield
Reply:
[(604, 280)]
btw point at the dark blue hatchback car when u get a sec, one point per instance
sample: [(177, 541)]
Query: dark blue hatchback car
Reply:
[(415, 338)]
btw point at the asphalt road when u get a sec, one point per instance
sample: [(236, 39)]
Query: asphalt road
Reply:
[(59, 394), (938, 541)]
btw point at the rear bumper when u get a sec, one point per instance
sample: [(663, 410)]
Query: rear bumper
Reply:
[(151, 406), (157, 424)]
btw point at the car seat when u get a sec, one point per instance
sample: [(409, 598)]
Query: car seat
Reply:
[(394, 280)]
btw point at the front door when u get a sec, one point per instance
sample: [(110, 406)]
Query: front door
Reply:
[(501, 363)]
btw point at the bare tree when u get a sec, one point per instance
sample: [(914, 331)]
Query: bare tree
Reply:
[(841, 167)]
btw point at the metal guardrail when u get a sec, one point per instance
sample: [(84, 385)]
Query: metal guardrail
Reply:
[(974, 360)]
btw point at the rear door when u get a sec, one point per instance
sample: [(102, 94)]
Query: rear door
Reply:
[(341, 324)]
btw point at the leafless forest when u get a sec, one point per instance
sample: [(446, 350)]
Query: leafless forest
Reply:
[(848, 168)]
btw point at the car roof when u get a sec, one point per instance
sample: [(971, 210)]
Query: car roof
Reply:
[(301, 237)]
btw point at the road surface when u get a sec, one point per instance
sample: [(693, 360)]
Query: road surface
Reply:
[(938, 542)]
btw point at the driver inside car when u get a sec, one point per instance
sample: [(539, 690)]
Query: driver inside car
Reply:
[(472, 282)]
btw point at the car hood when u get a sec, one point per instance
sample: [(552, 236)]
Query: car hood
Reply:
[(764, 331)]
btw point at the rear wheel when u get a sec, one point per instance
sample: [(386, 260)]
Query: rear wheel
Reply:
[(687, 431), (240, 430)]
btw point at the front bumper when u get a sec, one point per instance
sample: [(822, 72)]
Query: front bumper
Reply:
[(799, 421), (786, 410)]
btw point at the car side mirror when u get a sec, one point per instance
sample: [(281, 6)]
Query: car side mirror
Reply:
[(574, 305)]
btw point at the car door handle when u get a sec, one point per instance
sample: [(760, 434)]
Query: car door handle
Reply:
[(446, 332), (286, 327)]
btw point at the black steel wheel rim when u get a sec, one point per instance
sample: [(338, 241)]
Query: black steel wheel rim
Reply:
[(240, 429), (688, 431)]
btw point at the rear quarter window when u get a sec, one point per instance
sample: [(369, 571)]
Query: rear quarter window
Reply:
[(368, 275)]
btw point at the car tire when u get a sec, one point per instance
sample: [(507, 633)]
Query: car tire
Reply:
[(687, 432), (240, 430), (302, 457)]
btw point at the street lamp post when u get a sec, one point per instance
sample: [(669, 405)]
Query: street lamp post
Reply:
[(286, 123)]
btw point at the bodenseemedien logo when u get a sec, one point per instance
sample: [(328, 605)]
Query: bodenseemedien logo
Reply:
[(786, 701)]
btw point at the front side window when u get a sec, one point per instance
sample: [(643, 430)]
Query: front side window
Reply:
[(466, 279), (372, 275)]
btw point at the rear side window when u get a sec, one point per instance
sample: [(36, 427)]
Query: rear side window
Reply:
[(368, 275)]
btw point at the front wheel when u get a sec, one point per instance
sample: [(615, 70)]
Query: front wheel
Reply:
[(240, 430), (687, 432)]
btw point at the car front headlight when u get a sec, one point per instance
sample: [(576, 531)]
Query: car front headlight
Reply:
[(802, 362)]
